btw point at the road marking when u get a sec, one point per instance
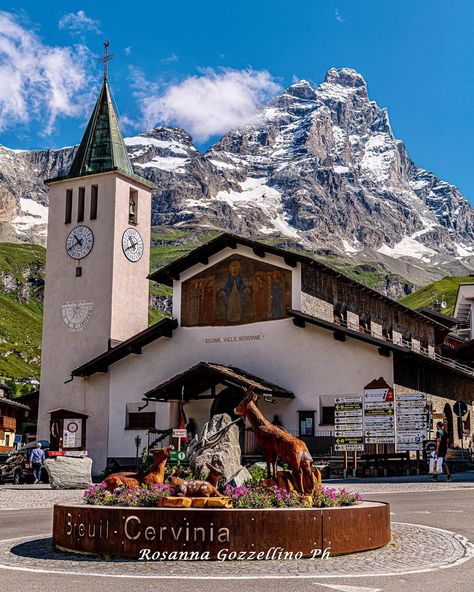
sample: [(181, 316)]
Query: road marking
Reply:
[(349, 588), (453, 511), (420, 512), (469, 554), (412, 491)]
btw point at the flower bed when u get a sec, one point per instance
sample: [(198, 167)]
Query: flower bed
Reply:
[(144, 496), (245, 497)]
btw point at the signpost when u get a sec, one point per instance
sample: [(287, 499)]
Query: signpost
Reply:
[(349, 427), (411, 426), (460, 409), (179, 455), (379, 410)]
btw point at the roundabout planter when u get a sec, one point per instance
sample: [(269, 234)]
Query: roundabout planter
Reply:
[(195, 533)]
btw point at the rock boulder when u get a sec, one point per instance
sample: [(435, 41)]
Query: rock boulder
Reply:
[(67, 472), (225, 453)]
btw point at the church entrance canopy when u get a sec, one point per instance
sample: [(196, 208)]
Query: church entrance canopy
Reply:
[(204, 376)]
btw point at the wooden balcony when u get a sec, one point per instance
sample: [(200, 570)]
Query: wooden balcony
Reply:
[(7, 424)]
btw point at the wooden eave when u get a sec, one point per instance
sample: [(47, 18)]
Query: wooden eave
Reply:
[(205, 375), (134, 345)]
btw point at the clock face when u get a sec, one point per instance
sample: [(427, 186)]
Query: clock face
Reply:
[(76, 315), (79, 242), (132, 245)]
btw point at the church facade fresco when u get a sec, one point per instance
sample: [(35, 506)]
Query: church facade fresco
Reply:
[(235, 291)]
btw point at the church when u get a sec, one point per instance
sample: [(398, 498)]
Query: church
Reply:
[(244, 313)]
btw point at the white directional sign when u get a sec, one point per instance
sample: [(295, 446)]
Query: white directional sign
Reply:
[(411, 425), (379, 415), (349, 424)]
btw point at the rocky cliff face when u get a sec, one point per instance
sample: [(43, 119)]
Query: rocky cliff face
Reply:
[(320, 166), (23, 195)]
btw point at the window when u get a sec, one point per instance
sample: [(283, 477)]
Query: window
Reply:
[(406, 339), (387, 331), (306, 423), (68, 213), (80, 204), (133, 207), (78, 271), (94, 198), (327, 415), (141, 420), (340, 313), (364, 322)]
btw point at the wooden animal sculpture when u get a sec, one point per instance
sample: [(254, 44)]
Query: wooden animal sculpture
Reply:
[(215, 474), (156, 474), (278, 444), (192, 487)]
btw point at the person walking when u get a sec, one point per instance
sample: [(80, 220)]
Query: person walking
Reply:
[(37, 457), (442, 439)]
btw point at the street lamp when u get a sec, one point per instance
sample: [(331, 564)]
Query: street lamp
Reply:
[(138, 441)]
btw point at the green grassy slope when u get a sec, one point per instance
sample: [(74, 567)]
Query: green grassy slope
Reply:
[(445, 289), (21, 309)]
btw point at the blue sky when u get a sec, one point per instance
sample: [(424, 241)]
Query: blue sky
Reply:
[(416, 56)]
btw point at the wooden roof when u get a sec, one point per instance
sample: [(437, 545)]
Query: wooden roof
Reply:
[(205, 375), (10, 403), (101, 363)]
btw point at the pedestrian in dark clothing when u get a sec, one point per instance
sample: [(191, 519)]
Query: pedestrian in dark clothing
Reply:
[(191, 428), (442, 441), (37, 457)]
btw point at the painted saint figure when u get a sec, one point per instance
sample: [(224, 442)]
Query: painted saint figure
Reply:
[(278, 309), (234, 293), (260, 295)]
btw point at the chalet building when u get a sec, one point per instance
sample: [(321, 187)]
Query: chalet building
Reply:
[(243, 314), (12, 413)]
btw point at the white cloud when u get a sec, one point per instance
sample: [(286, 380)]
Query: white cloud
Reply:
[(79, 23), (170, 58), (38, 81), (208, 104), (128, 50), (339, 16)]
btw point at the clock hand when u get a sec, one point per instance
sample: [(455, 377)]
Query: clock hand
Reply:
[(131, 246), (78, 242)]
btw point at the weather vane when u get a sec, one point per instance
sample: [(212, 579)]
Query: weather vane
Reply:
[(106, 59)]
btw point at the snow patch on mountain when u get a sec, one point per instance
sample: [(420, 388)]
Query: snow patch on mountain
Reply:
[(32, 214), (408, 247)]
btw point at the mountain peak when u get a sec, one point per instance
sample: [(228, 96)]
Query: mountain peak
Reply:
[(165, 133), (347, 77), (302, 90)]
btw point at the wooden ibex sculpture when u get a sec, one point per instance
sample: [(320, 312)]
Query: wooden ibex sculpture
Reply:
[(156, 474), (278, 444), (215, 474), (192, 487)]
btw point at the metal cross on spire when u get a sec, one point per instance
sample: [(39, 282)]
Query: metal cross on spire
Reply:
[(106, 59)]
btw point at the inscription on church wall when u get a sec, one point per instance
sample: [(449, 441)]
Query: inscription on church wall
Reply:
[(233, 339), (235, 291)]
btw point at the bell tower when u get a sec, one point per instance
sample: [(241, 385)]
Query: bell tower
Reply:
[(97, 262)]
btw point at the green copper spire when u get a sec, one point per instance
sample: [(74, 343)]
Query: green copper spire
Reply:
[(102, 148)]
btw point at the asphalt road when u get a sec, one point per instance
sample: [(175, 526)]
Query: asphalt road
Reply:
[(447, 509)]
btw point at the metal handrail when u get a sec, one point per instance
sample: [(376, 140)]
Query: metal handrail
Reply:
[(409, 345)]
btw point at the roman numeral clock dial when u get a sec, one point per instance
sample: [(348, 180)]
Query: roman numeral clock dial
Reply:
[(79, 242), (132, 245)]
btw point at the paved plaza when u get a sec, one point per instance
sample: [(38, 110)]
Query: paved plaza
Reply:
[(432, 529)]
